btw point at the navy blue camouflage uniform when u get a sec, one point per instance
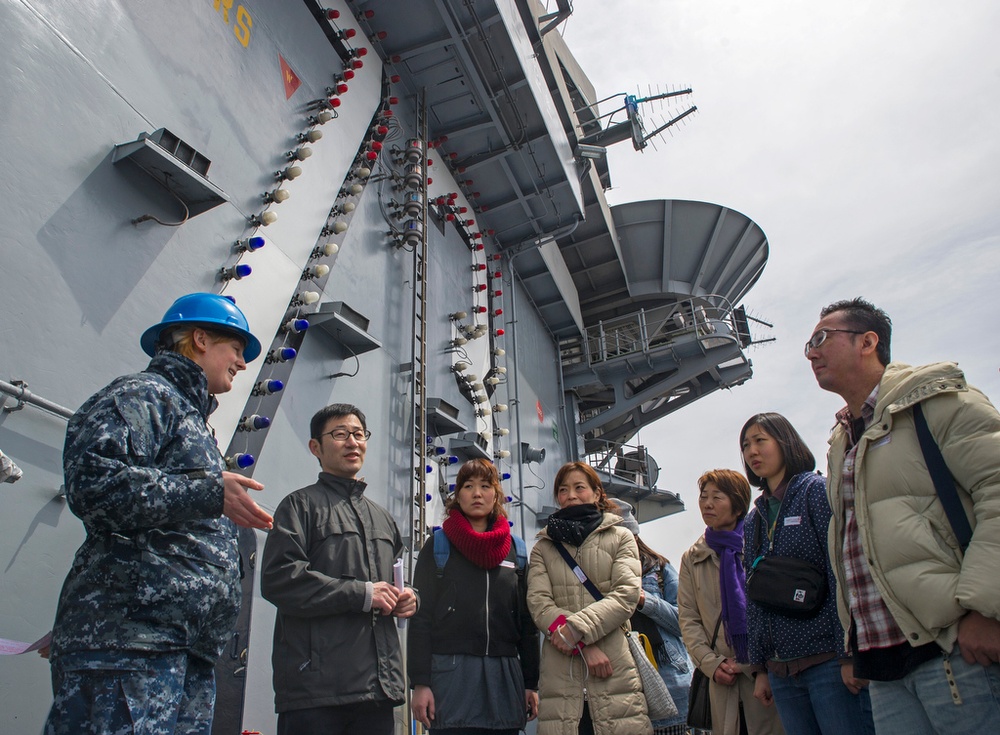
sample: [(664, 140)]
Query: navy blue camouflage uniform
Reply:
[(153, 593)]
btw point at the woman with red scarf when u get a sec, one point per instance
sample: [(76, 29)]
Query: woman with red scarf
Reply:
[(472, 646)]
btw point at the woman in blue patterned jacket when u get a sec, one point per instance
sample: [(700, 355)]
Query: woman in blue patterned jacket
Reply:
[(798, 662)]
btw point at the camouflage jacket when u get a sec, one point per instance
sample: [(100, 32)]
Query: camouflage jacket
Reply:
[(158, 570)]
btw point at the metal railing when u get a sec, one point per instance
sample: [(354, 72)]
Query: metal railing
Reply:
[(648, 329)]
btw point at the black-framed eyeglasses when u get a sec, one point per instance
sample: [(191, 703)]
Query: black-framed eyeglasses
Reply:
[(341, 435), (820, 337)]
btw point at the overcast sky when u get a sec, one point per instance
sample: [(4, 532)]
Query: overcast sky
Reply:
[(862, 138)]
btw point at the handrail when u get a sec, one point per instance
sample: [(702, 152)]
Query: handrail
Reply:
[(19, 390), (647, 328)]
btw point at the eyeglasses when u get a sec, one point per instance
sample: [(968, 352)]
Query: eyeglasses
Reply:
[(820, 337), (341, 435)]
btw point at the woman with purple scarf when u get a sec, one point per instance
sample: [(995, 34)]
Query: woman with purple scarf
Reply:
[(711, 601)]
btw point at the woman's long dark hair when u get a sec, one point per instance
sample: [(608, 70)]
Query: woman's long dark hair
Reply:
[(650, 560), (794, 451)]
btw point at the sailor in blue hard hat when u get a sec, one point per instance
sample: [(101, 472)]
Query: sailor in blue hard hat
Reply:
[(208, 310), (200, 326), (153, 594)]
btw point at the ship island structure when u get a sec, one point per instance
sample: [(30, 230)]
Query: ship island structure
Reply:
[(407, 200)]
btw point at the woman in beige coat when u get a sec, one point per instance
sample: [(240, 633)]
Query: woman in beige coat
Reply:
[(706, 578), (588, 682)]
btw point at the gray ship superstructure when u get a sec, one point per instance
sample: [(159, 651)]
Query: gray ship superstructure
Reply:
[(407, 201)]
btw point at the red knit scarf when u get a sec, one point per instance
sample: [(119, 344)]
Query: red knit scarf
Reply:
[(486, 549)]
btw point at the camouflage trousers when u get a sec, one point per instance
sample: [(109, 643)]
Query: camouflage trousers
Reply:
[(142, 695)]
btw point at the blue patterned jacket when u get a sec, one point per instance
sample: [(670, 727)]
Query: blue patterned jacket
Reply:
[(158, 570), (800, 532)]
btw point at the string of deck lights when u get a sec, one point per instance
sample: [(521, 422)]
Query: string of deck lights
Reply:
[(279, 357)]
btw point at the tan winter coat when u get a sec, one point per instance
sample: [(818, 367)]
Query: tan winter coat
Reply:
[(698, 607), (610, 558), (912, 552)]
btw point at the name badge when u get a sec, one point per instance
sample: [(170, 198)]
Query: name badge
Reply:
[(507, 564), (793, 520), (579, 574)]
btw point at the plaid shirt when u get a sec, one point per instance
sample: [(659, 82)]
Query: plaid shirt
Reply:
[(876, 628)]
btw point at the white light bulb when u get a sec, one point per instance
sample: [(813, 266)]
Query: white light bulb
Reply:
[(339, 227), (348, 207), (309, 297), (331, 248)]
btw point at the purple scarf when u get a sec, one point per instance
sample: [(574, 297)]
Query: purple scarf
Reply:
[(732, 586)]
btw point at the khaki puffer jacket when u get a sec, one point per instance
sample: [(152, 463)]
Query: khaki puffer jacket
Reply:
[(610, 558), (914, 557)]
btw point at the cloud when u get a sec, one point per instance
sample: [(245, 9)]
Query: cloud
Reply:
[(860, 136)]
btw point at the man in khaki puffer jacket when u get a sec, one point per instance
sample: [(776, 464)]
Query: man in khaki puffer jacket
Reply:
[(923, 618)]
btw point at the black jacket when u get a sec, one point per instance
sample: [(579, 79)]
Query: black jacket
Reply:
[(470, 610), (328, 541)]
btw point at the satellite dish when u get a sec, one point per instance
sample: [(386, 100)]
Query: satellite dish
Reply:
[(639, 467)]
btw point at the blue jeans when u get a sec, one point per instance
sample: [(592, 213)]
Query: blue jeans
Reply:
[(924, 702), (816, 702)]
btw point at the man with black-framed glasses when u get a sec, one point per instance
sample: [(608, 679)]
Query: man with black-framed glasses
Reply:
[(921, 608), (327, 567)]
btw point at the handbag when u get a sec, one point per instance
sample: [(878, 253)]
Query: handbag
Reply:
[(699, 699), (659, 704), (784, 584)]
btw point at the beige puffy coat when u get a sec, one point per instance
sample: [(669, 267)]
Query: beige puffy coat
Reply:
[(911, 549), (610, 558), (698, 607)]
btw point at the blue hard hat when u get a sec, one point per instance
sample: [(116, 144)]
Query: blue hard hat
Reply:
[(210, 310)]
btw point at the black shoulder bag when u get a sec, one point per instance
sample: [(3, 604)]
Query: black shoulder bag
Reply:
[(944, 482), (699, 698), (784, 584)]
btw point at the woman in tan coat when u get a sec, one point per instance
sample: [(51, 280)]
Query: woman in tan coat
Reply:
[(588, 682), (711, 573)]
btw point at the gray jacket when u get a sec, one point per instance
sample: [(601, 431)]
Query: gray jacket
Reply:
[(327, 543)]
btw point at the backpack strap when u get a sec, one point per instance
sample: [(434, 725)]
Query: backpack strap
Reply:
[(521, 551), (442, 550)]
